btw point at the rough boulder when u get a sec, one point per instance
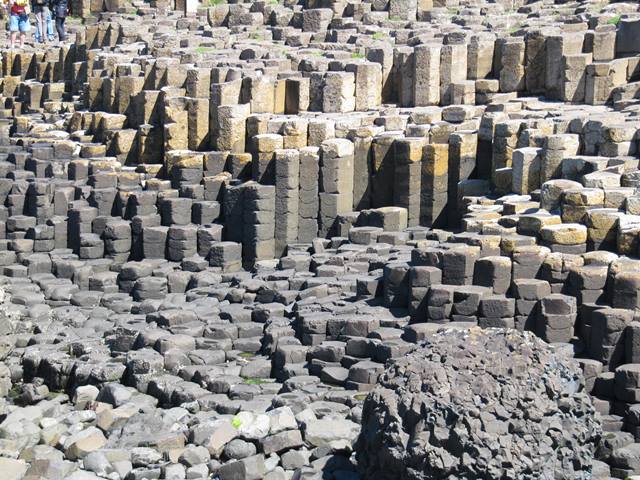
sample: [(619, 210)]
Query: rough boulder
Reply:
[(471, 404)]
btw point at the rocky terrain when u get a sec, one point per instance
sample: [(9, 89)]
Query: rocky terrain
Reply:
[(480, 403), (326, 239)]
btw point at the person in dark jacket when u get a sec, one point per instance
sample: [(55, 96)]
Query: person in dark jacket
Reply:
[(60, 10)]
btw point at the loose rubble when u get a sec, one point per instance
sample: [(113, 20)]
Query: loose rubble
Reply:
[(222, 222)]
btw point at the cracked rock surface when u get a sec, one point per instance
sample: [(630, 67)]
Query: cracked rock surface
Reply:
[(478, 403)]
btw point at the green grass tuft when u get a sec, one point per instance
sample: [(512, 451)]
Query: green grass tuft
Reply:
[(254, 381), (360, 396), (73, 19), (203, 50), (213, 3), (379, 36), (357, 55), (14, 392), (614, 21), (247, 355), (236, 423)]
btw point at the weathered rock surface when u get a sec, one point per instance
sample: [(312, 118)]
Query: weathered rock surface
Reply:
[(220, 220), (476, 403)]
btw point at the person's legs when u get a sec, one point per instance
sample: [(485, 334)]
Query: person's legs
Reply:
[(24, 27), (60, 28), (45, 16), (37, 35), (50, 26), (41, 26), (13, 28)]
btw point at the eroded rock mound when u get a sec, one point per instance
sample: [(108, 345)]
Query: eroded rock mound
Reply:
[(472, 404)]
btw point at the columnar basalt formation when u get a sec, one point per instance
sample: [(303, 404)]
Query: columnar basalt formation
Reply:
[(220, 221)]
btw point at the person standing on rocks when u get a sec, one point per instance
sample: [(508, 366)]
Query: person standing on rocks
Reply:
[(49, 33), (60, 9), (41, 10), (19, 20)]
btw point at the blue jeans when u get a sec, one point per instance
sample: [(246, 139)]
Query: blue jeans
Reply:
[(50, 34), (19, 23)]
